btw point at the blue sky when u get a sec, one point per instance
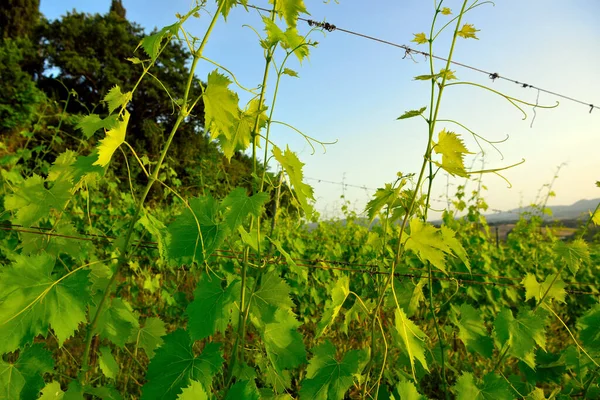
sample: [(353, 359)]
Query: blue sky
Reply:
[(353, 90)]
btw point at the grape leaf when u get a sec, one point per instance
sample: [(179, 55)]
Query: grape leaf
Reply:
[(386, 196), (455, 245), (472, 331), (33, 202), (239, 206), (589, 325), (245, 390), (32, 299), (326, 377), (535, 290), (596, 217), (446, 11), (420, 38), (339, 293), (213, 307), (407, 391), (149, 336), (427, 243), (84, 170), (175, 366), (158, 230), (467, 31), (289, 10), (452, 149), (89, 124), (290, 72), (521, 334), (411, 339), (574, 254), (412, 113), (151, 44), (33, 243), (52, 391), (220, 105), (227, 5), (493, 387), (195, 391), (293, 168), (242, 128), (107, 363), (25, 378), (114, 138), (115, 99), (118, 322)]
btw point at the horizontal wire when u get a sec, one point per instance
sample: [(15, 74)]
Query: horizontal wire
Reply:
[(409, 50), (314, 263)]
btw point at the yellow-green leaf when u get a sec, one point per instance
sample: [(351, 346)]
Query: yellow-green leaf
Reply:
[(446, 11), (452, 149), (115, 99), (468, 32), (427, 243), (420, 38), (114, 138)]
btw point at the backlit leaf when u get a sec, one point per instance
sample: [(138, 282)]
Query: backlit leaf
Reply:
[(407, 391), (412, 113), (420, 38), (411, 340), (574, 254), (426, 242), (151, 44), (339, 293), (289, 10), (467, 31), (52, 391), (220, 105), (227, 5), (240, 132), (521, 334), (240, 206), (293, 168), (91, 123), (535, 290), (194, 391), (446, 11), (115, 99), (452, 149), (114, 138), (493, 387), (472, 331), (33, 299)]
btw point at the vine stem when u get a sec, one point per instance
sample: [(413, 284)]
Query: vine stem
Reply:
[(183, 113)]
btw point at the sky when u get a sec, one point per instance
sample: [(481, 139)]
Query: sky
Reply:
[(352, 90)]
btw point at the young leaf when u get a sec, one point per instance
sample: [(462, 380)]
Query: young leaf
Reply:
[(33, 299), (535, 290), (493, 387), (239, 207), (245, 390), (289, 10), (452, 149), (213, 307), (427, 243), (151, 44), (194, 391), (115, 99), (293, 168), (339, 293), (472, 331), (241, 130), (107, 363), (292, 73), (412, 113), (52, 391), (446, 11), (407, 391), (227, 5), (574, 254), (411, 340), (420, 38), (114, 138), (220, 105), (326, 377), (175, 366), (91, 123), (149, 336), (521, 334), (468, 31)]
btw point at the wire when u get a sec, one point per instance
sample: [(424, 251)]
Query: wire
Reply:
[(409, 50)]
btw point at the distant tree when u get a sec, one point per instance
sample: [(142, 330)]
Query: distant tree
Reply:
[(117, 7), (18, 18)]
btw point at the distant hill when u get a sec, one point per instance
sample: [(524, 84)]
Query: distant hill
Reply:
[(576, 210)]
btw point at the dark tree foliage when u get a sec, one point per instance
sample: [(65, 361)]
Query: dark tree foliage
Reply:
[(117, 7), (18, 18)]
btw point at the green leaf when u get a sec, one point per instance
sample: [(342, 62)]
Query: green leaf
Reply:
[(339, 293), (107, 363), (521, 334), (293, 168), (25, 378), (105, 392), (240, 133), (227, 5), (412, 113), (448, 236), (185, 242), (115, 99), (420, 38), (33, 299), (158, 230), (326, 377), (118, 322), (292, 73), (243, 390), (289, 10), (535, 290), (149, 336), (411, 340), (114, 138), (220, 106), (427, 243), (33, 202), (175, 366), (467, 31), (239, 206), (589, 325), (472, 330), (89, 124), (407, 391), (574, 254), (52, 391), (596, 217), (151, 44), (452, 149), (383, 197), (213, 307), (195, 391), (493, 387)]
